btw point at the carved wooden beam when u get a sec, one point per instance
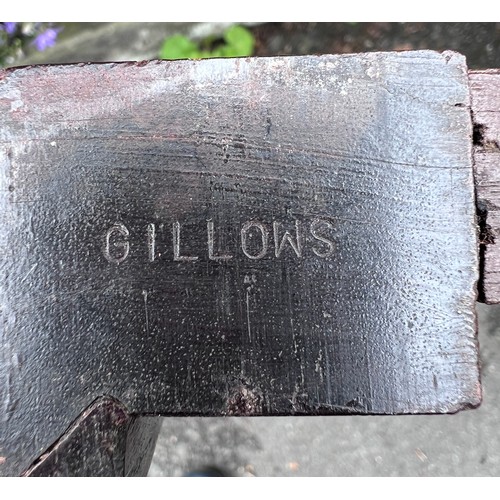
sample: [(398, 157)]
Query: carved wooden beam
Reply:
[(276, 236)]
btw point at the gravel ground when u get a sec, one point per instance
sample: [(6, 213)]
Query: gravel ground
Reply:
[(479, 42), (99, 42), (464, 444)]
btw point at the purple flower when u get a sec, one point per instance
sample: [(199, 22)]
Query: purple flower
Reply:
[(10, 28), (46, 39)]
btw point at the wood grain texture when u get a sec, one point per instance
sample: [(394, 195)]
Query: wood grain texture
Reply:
[(274, 236), (485, 95), (104, 441)]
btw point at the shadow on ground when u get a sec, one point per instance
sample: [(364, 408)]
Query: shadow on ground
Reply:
[(464, 444)]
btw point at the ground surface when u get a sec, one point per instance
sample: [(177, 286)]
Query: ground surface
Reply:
[(464, 444)]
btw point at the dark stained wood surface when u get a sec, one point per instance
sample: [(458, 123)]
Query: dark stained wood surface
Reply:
[(485, 94), (104, 441), (278, 236)]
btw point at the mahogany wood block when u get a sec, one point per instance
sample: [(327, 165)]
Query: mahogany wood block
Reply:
[(276, 236)]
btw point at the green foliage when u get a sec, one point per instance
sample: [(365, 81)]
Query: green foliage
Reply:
[(18, 38), (9, 48), (237, 42), (179, 47)]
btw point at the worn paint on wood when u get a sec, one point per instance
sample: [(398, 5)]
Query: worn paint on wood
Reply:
[(485, 93), (273, 236)]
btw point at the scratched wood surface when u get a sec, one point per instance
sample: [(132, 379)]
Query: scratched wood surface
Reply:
[(104, 441), (274, 236), (485, 94)]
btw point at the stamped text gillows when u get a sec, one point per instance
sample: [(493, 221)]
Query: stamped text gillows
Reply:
[(256, 240)]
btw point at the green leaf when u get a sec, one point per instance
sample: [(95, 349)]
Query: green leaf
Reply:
[(179, 47), (240, 42), (204, 54), (218, 52), (229, 51)]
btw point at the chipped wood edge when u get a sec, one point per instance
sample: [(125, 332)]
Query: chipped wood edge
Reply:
[(485, 96)]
